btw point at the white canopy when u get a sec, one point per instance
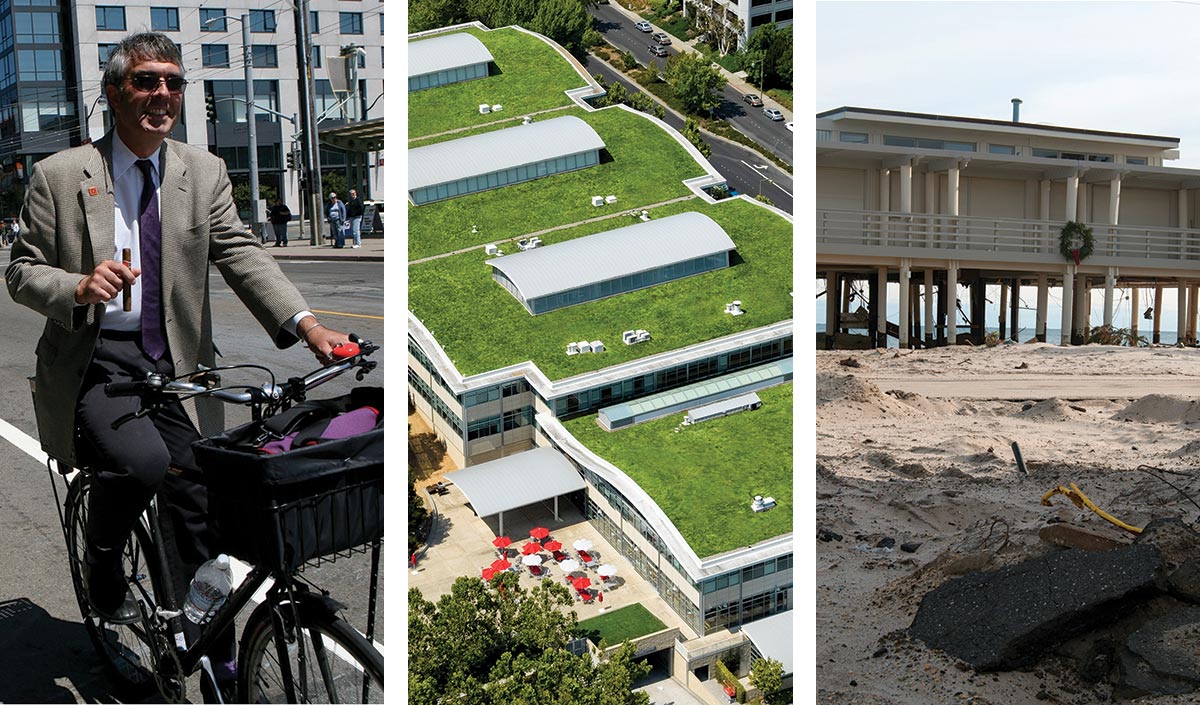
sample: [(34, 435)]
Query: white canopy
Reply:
[(517, 481)]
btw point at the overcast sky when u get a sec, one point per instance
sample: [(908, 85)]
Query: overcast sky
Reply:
[(1120, 66)]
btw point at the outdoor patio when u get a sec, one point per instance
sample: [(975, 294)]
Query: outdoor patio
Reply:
[(461, 545)]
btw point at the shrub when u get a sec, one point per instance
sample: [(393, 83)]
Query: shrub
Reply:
[(764, 199), (727, 678)]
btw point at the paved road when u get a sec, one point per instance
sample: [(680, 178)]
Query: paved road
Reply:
[(618, 28), (44, 649), (744, 169)]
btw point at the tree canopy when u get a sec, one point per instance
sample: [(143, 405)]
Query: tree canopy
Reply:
[(564, 21), (695, 83), (772, 45), (498, 643), (767, 675)]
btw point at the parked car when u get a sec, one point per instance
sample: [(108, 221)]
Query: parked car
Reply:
[(773, 114), (753, 100), (657, 50), (661, 37), (791, 126), (644, 26)]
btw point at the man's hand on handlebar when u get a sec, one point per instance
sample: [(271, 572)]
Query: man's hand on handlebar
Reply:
[(320, 339), (105, 282)]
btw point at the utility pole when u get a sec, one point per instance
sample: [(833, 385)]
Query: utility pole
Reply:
[(351, 52), (251, 133), (310, 146)]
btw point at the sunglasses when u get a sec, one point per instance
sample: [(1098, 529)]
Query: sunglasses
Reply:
[(149, 82)]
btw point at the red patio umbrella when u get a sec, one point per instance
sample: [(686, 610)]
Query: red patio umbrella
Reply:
[(530, 548), (501, 564), (581, 583), (539, 532), (552, 545), (488, 573), (501, 541)]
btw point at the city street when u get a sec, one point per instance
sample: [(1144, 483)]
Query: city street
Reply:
[(618, 29), (46, 653)]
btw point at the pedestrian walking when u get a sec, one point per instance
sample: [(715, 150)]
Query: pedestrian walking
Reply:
[(280, 215), (354, 211), (336, 213)]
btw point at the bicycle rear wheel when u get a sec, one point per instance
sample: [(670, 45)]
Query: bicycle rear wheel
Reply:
[(329, 661), (126, 650)]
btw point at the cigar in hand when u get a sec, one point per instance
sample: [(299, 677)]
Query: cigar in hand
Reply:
[(126, 298)]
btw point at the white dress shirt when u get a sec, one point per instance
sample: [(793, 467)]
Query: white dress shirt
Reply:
[(127, 195)]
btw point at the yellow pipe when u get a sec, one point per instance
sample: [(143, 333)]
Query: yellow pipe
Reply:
[(1081, 500)]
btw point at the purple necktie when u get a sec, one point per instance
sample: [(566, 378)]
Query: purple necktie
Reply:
[(151, 249)]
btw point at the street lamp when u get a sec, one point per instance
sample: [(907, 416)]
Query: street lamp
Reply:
[(761, 170), (251, 134)]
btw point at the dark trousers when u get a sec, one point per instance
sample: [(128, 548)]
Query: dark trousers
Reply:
[(143, 457), (280, 233)]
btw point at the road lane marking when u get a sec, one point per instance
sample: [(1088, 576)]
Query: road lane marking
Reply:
[(350, 315)]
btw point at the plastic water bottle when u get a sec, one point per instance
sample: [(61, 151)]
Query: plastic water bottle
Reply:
[(210, 587)]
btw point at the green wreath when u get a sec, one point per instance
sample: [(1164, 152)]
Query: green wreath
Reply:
[(1076, 241)]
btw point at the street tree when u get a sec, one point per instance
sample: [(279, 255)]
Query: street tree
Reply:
[(617, 94), (692, 132), (430, 14), (772, 45), (497, 643), (767, 675), (696, 85)]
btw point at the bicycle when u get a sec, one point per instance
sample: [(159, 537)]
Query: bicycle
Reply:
[(294, 646)]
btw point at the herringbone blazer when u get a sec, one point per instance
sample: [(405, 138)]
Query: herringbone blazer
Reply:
[(67, 228)]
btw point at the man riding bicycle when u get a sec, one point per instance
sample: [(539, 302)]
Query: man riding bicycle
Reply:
[(170, 206)]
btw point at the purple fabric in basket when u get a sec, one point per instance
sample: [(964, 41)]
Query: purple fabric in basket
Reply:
[(351, 423)]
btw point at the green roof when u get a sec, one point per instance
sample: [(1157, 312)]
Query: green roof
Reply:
[(704, 476), (628, 622)]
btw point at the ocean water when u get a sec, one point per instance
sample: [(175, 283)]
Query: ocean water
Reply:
[(1053, 335)]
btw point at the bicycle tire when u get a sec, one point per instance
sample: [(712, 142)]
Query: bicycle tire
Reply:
[(125, 650), (339, 660)]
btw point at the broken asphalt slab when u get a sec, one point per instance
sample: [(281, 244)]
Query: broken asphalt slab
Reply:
[(1006, 618)]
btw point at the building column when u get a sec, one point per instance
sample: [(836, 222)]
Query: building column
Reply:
[(906, 174), (1183, 209), (905, 290), (881, 313), (1043, 306), (885, 204), (1193, 311), (872, 306), (1181, 314), (846, 292), (1072, 197), (831, 310), (1134, 315), (929, 322), (1015, 310), (1114, 201), (931, 180), (1002, 312), (978, 310), (1156, 335), (1068, 298), (952, 304), (1081, 214), (1044, 215), (1081, 310), (1110, 280)]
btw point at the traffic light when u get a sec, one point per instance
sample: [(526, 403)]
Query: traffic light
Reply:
[(210, 106), (291, 160)]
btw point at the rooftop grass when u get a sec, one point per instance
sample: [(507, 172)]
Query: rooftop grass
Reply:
[(647, 167), (629, 622), (533, 77), (483, 327), (704, 476)]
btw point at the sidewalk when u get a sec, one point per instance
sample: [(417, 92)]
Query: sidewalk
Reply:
[(736, 80), (299, 248)]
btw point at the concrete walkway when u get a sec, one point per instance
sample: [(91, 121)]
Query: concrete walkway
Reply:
[(299, 248)]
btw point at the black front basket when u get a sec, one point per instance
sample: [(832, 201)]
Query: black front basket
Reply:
[(280, 511)]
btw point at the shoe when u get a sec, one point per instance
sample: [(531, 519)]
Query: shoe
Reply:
[(356, 246), (108, 592)]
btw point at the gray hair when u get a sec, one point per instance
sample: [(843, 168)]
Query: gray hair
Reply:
[(136, 48)]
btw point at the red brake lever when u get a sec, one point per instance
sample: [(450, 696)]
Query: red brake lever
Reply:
[(345, 350)]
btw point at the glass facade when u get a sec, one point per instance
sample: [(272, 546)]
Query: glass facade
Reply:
[(515, 175), (591, 400), (416, 383), (612, 287), (923, 143), (266, 94), (441, 78)]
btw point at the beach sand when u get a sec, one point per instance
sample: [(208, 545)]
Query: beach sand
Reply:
[(914, 446)]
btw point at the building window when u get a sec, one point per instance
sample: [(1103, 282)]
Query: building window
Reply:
[(1099, 157), (37, 27), (316, 57), (212, 19), (314, 22), (853, 137), (824, 135), (1001, 149), (35, 3), (40, 64), (262, 21), (922, 143), (266, 94), (760, 3), (110, 18), (784, 15), (350, 23), (105, 50), (381, 24), (265, 56), (213, 55), (235, 157), (760, 20), (47, 112), (1136, 160), (164, 19), (1077, 156)]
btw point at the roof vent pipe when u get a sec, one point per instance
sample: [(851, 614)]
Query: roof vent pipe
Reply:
[(1016, 109)]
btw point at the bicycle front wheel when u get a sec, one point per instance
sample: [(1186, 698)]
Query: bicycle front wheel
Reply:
[(126, 650), (327, 660)]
